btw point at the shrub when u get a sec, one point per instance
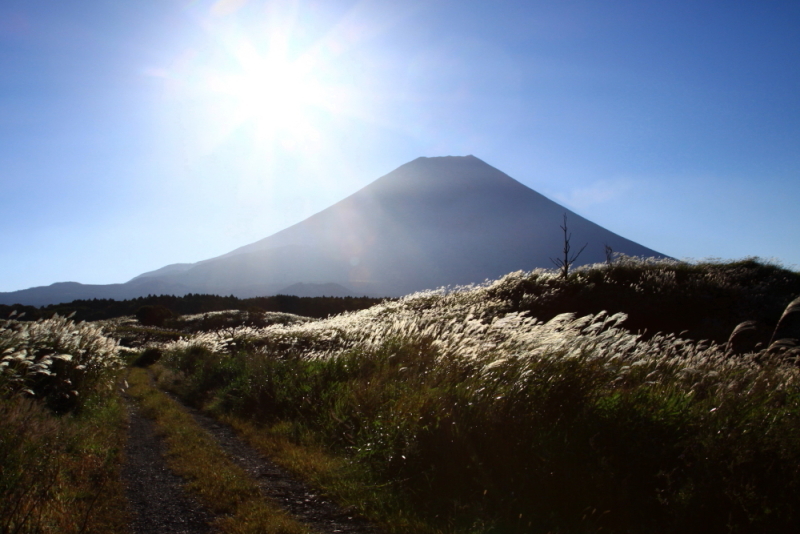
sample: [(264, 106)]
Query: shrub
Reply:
[(153, 315), (148, 357), (697, 301), (231, 319)]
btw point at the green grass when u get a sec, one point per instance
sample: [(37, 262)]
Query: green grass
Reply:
[(345, 481), (134, 335)]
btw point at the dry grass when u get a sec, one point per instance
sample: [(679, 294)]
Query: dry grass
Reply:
[(61, 474), (56, 360)]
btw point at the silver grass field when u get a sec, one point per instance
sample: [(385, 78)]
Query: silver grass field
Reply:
[(479, 409), (487, 419)]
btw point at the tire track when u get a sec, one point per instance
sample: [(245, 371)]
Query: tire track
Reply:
[(158, 501), (281, 487)]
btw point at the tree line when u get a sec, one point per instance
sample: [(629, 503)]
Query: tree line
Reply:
[(98, 309)]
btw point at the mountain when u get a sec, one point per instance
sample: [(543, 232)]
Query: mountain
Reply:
[(431, 222)]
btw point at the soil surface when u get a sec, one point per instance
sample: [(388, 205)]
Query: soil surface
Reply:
[(158, 502), (296, 497)]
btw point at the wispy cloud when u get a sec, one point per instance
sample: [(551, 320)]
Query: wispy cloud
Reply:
[(598, 192)]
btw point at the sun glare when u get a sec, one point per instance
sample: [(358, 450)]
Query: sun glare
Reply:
[(272, 93), (255, 85)]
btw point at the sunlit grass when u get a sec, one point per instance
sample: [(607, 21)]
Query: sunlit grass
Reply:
[(56, 360)]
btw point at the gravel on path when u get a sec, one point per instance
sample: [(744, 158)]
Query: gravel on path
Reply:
[(158, 501)]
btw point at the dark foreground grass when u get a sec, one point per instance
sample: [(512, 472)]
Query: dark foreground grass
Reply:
[(60, 474), (553, 450), (353, 487), (219, 484)]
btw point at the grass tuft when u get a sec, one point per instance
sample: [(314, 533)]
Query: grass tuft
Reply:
[(62, 429)]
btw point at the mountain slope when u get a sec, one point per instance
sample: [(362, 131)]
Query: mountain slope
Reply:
[(431, 222)]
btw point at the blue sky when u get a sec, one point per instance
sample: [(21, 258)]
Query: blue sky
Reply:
[(138, 134)]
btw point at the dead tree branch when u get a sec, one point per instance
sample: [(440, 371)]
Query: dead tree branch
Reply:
[(565, 263)]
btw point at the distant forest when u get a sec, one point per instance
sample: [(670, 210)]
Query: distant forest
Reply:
[(97, 309)]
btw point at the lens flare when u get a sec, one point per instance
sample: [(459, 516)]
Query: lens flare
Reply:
[(271, 92)]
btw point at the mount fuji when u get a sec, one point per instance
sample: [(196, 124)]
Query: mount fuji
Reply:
[(429, 223)]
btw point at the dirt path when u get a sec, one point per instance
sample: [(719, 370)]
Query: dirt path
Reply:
[(277, 484), (157, 499), (159, 504)]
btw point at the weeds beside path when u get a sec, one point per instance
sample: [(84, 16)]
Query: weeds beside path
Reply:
[(298, 498), (480, 411), (245, 491)]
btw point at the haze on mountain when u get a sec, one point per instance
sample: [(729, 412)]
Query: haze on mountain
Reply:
[(429, 223)]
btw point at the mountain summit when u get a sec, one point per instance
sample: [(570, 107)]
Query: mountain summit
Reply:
[(431, 222)]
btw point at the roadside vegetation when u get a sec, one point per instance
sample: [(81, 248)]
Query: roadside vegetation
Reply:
[(62, 429), (604, 400), (530, 404)]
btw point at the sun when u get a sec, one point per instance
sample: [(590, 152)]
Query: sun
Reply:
[(274, 93), (261, 87)]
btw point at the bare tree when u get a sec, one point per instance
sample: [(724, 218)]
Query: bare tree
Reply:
[(609, 254), (564, 264)]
